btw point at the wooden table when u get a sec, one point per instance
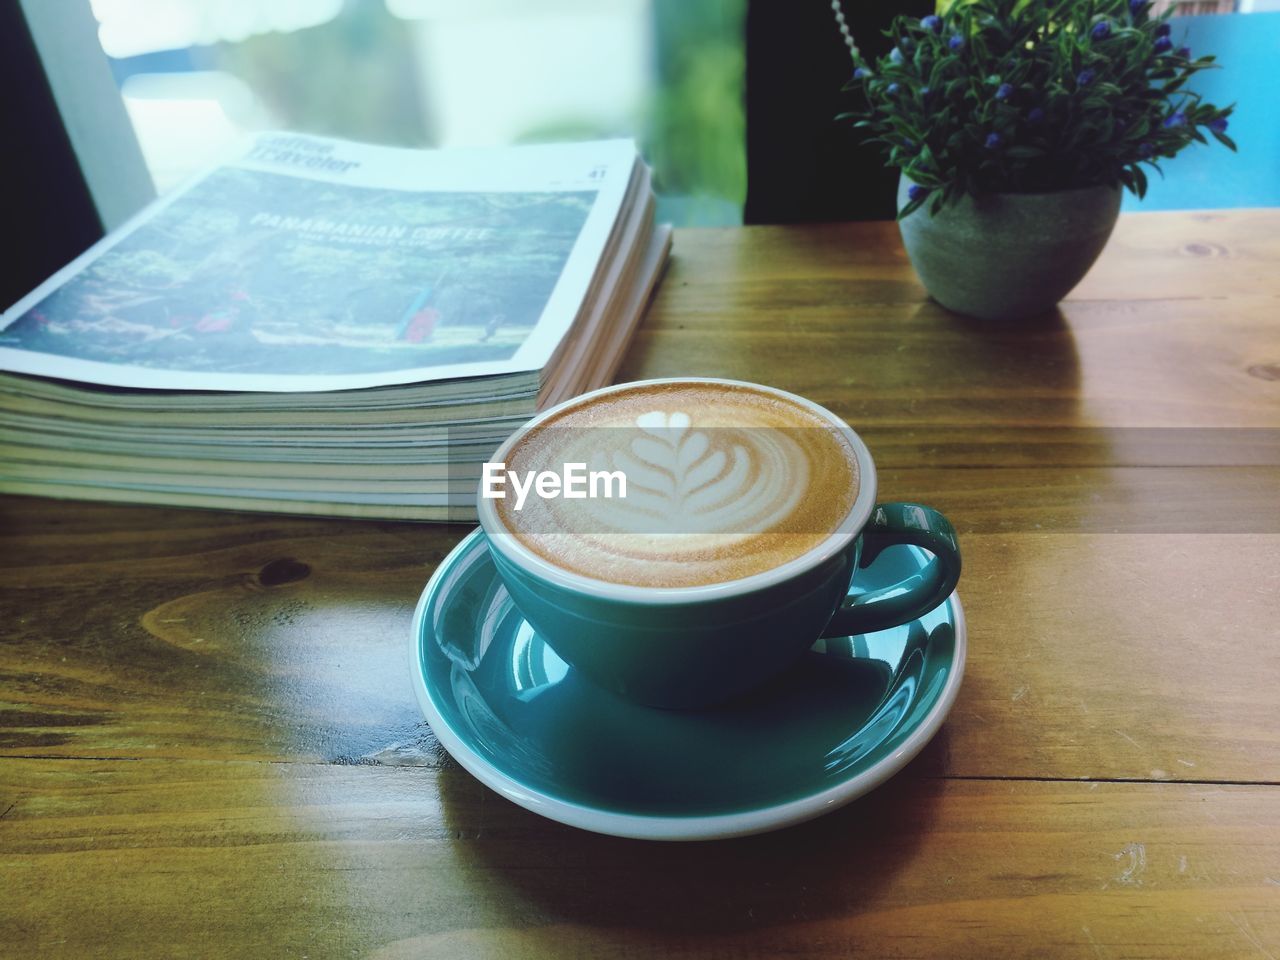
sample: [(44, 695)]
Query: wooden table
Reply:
[(209, 747)]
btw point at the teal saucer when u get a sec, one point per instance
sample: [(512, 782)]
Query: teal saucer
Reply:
[(852, 713)]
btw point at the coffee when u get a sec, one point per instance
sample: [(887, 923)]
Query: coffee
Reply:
[(723, 481)]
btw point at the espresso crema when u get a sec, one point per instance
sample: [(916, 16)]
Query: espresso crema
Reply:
[(722, 482)]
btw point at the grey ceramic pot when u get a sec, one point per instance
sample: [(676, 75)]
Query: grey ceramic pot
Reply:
[(1007, 256)]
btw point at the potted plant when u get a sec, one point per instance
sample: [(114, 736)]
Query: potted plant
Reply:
[(1015, 124)]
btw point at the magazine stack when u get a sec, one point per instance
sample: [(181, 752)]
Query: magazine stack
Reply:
[(322, 327)]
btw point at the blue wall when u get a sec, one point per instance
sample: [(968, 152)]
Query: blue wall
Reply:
[(1248, 50)]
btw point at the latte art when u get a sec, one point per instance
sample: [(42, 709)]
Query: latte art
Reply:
[(722, 482), (698, 481)]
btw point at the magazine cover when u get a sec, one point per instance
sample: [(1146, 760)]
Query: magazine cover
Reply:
[(313, 264)]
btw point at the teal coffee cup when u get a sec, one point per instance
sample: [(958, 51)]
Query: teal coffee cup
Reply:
[(696, 646)]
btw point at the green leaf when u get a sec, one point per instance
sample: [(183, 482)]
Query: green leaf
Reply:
[(1039, 47), (1223, 139), (1140, 179), (911, 208)]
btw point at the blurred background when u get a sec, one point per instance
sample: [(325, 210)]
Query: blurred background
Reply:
[(195, 74)]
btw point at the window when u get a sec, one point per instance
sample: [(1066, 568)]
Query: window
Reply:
[(195, 75)]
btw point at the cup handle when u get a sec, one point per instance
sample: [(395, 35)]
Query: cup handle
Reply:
[(909, 599)]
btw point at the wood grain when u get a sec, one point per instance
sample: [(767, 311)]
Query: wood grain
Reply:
[(250, 859), (742, 304), (1209, 254), (209, 746), (1117, 655)]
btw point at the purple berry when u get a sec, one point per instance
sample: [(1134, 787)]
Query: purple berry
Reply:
[(932, 23), (916, 192), (1004, 91), (1163, 45), (1101, 30), (1218, 125)]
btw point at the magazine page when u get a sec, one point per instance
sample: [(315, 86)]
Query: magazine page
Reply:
[(310, 264)]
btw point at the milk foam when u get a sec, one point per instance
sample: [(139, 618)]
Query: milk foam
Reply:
[(722, 482)]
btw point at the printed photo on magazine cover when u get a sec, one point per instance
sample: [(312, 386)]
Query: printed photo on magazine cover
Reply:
[(262, 273)]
